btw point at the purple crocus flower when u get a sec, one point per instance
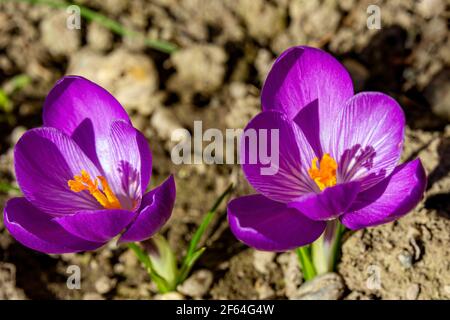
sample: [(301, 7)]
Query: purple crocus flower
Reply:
[(84, 175), (338, 157)]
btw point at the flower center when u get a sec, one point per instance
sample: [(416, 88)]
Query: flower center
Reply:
[(105, 197), (325, 176)]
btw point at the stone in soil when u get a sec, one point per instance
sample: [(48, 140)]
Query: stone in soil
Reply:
[(199, 69), (8, 289), (438, 94), (131, 78), (197, 285), (329, 286), (56, 37)]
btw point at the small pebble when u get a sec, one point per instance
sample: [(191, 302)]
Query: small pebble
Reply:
[(413, 291), (197, 285), (56, 37), (98, 37), (262, 261), (292, 274), (103, 285), (92, 296), (329, 286), (264, 290), (169, 296), (406, 259), (16, 134)]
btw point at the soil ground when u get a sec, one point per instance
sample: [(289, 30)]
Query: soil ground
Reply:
[(226, 50)]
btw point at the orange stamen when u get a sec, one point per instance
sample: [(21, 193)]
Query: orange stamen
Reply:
[(325, 176), (105, 197)]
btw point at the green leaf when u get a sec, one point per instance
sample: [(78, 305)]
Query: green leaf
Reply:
[(162, 284), (160, 261), (304, 258), (189, 263), (5, 102), (19, 82), (193, 252), (163, 259), (6, 187)]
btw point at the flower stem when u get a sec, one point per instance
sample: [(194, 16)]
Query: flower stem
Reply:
[(325, 250)]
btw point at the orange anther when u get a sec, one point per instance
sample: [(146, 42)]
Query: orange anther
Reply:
[(105, 197), (325, 176)]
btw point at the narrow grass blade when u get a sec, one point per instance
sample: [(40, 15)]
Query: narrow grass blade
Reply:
[(193, 252), (114, 26), (6, 187)]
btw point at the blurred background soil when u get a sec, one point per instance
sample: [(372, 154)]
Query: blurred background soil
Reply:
[(226, 48)]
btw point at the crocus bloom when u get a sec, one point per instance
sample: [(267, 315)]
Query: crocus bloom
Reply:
[(84, 175), (338, 157)]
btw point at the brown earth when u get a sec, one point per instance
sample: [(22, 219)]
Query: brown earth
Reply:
[(226, 49)]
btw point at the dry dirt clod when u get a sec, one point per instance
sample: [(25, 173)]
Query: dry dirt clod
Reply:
[(165, 124), (7, 163), (243, 281), (262, 19), (262, 260), (104, 284), (292, 274), (8, 289), (56, 37), (92, 296), (200, 69), (329, 286), (197, 285), (130, 77), (16, 134), (264, 290), (406, 259), (413, 291), (244, 104), (263, 63), (98, 37), (438, 94), (430, 8), (226, 49)]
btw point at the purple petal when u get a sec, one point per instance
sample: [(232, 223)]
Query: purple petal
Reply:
[(368, 138), (36, 230), (127, 162), (45, 160), (284, 176), (157, 206), (74, 99), (308, 77), (390, 199), (269, 225), (96, 226), (328, 204), (83, 110)]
